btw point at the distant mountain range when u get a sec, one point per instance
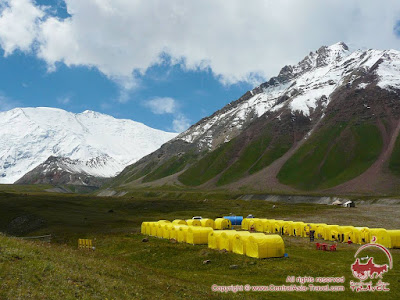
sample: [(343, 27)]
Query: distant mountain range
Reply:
[(49, 145), (329, 123)]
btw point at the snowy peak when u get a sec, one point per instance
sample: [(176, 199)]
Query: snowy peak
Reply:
[(100, 144), (302, 88)]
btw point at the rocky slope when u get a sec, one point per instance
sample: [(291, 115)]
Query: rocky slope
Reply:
[(316, 126)]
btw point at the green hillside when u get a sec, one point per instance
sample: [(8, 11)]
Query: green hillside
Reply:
[(332, 156)]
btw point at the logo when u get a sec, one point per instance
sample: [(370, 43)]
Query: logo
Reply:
[(370, 270)]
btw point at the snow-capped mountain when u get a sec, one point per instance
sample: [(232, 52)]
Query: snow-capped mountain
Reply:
[(300, 88), (89, 142), (330, 120)]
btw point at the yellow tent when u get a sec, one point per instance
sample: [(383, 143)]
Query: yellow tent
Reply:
[(222, 223), (252, 223), (207, 223), (382, 237), (166, 229), (331, 232), (347, 233), (287, 225), (259, 225), (173, 232), (319, 231), (214, 238), (192, 222), (278, 226), (153, 228), (394, 238), (298, 229), (269, 225), (239, 241), (226, 240), (198, 235), (265, 246), (363, 234), (143, 227), (179, 222), (182, 233)]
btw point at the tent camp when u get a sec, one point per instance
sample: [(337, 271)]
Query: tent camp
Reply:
[(394, 238), (174, 230), (198, 235), (265, 246), (193, 222), (207, 223), (382, 237), (247, 221), (252, 223), (179, 222), (153, 228), (182, 233), (226, 240), (361, 235), (320, 230), (214, 238), (239, 241), (222, 223)]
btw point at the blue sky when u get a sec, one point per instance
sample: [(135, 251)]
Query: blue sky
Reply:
[(169, 63)]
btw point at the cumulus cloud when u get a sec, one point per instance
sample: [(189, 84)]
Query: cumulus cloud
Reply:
[(237, 40), (19, 24), (64, 100), (162, 105)]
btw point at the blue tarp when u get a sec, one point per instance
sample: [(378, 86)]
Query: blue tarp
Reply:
[(235, 220)]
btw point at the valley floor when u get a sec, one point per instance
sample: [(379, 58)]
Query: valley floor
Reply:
[(124, 267)]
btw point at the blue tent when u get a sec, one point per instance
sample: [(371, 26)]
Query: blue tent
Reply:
[(235, 220)]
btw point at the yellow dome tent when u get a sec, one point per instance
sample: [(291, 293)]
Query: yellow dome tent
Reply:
[(269, 225), (265, 246), (331, 232), (173, 233), (382, 237), (226, 240), (347, 233), (214, 238), (320, 230), (143, 227), (298, 229), (259, 225), (166, 229), (239, 241), (198, 235), (179, 222), (153, 228), (278, 226), (287, 225), (207, 223), (222, 223), (394, 238), (182, 233), (252, 223), (192, 222)]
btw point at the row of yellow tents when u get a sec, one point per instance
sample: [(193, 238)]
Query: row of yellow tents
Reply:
[(358, 235), (256, 245)]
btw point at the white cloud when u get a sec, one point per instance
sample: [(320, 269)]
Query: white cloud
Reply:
[(180, 123), (237, 40), (162, 105), (19, 24)]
